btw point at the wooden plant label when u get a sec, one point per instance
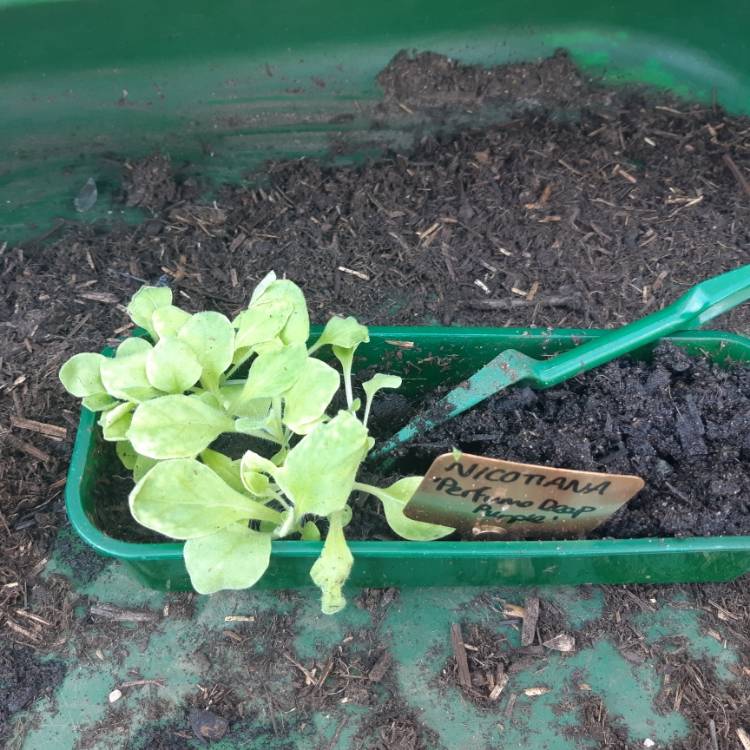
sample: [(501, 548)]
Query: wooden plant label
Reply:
[(490, 497)]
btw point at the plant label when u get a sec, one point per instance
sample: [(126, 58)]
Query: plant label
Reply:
[(490, 497)]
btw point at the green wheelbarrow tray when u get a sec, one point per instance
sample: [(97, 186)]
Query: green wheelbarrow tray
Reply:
[(427, 357)]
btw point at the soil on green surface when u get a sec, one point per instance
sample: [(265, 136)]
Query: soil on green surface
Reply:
[(592, 219)]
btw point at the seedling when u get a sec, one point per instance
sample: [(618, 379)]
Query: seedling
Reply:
[(164, 402)]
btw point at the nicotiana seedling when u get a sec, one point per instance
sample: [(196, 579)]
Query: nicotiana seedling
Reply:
[(165, 401)]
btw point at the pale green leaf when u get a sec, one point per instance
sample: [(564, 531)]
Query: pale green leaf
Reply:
[(262, 321), (116, 422), (296, 330), (253, 471), (310, 532), (234, 558), (145, 302), (143, 464), (100, 402), (211, 337), (80, 375), (274, 373), (346, 333), (133, 345), (126, 453), (394, 499), (125, 378), (171, 366), (346, 357), (331, 570), (263, 284), (231, 400), (176, 426), (184, 499), (307, 400), (318, 474), (168, 320), (374, 384), (225, 467)]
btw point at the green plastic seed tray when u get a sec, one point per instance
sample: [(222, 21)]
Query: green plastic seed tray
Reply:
[(426, 358)]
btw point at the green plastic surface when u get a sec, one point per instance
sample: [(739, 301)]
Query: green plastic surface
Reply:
[(446, 356), (228, 84)]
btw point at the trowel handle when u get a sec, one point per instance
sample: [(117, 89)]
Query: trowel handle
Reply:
[(701, 303)]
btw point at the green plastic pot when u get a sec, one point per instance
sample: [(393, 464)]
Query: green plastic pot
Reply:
[(426, 357)]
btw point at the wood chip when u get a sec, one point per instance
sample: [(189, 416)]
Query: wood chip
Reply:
[(482, 286), (233, 277), (115, 695), (118, 614), (735, 170), (50, 430), (530, 619), (512, 698), (743, 737), (381, 667), (239, 618), (351, 272), (532, 292), (400, 344), (32, 450), (513, 610), (498, 689), (106, 298), (533, 692), (464, 676), (562, 642)]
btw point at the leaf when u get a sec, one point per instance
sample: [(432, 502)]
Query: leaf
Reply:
[(99, 402), (318, 474), (126, 453), (296, 330), (310, 532), (262, 321), (346, 333), (331, 570), (394, 499), (211, 337), (168, 320), (184, 499), (171, 366), (253, 471), (234, 558), (145, 302), (231, 399), (374, 384), (80, 375), (125, 377), (272, 374), (133, 345), (307, 400), (116, 422), (263, 284), (176, 427), (225, 467), (143, 464)]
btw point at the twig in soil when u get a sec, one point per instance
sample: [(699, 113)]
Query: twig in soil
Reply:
[(32, 450), (530, 619), (382, 665), (50, 430), (309, 677), (743, 737), (138, 683), (511, 304), (337, 734), (735, 170), (117, 614), (459, 651), (712, 732), (358, 274)]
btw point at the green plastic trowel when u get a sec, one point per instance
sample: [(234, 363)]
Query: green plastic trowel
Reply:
[(702, 303)]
